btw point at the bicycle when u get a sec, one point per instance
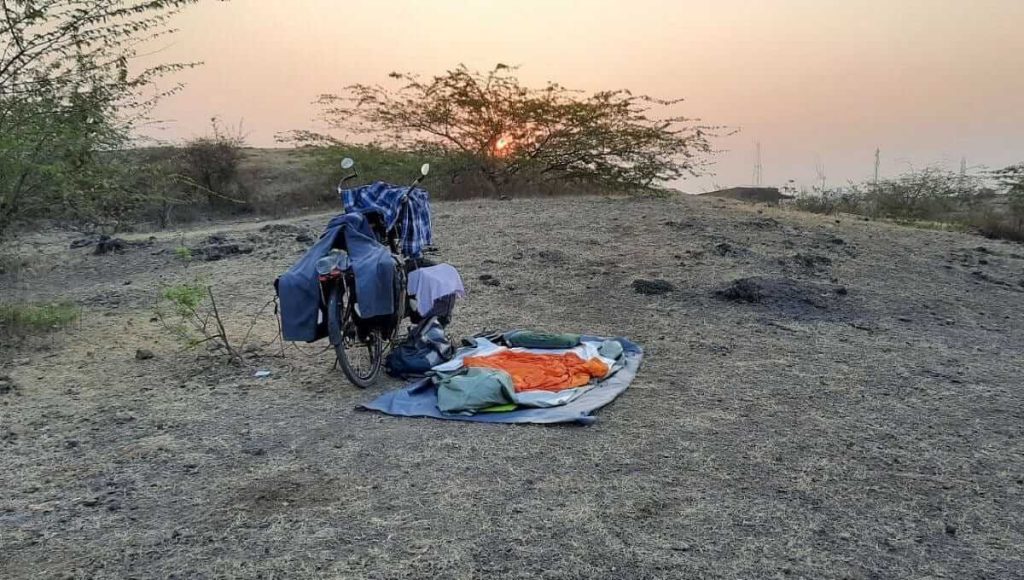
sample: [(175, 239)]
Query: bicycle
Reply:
[(359, 343)]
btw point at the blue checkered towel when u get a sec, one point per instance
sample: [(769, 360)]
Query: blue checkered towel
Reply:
[(386, 200)]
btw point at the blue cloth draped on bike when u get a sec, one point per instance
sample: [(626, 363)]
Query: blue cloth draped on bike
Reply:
[(385, 199), (299, 287)]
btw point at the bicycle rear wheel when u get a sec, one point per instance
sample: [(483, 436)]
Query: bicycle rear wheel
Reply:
[(359, 356)]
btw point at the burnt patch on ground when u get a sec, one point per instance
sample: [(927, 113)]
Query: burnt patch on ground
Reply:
[(218, 247), (789, 298), (654, 287), (104, 244)]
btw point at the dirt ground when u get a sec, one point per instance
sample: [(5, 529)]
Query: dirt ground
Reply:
[(850, 408)]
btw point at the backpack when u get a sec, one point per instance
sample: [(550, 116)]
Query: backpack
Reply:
[(425, 347)]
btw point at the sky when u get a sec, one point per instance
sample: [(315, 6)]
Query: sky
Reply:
[(820, 84)]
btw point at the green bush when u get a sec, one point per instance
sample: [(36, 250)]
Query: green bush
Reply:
[(208, 166), (189, 311), (23, 319), (183, 253), (932, 198)]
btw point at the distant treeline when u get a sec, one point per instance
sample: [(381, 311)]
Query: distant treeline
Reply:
[(988, 202)]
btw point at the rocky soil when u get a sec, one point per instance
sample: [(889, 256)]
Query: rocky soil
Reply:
[(820, 398)]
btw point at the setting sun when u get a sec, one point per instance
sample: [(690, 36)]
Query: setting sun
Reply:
[(501, 146)]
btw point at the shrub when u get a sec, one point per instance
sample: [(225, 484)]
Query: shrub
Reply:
[(932, 198), (23, 319), (67, 98), (183, 253), (209, 166), (189, 311), (998, 225), (927, 194)]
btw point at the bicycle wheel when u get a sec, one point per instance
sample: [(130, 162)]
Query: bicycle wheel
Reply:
[(401, 298), (359, 357)]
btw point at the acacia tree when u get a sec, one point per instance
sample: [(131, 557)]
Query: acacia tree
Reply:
[(67, 95), (504, 129)]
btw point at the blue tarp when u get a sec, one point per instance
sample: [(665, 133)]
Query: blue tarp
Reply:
[(419, 399), (299, 287)]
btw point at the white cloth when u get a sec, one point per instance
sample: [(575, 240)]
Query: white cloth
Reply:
[(429, 284), (483, 347)]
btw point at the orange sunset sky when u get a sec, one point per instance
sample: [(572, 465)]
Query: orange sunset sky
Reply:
[(816, 82)]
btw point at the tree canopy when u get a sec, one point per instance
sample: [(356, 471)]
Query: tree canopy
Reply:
[(68, 93), (504, 129)]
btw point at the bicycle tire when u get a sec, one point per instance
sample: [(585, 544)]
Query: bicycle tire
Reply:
[(341, 330)]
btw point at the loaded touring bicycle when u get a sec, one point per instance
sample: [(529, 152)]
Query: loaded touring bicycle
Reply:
[(352, 285)]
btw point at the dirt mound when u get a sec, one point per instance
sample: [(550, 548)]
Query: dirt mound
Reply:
[(787, 297)]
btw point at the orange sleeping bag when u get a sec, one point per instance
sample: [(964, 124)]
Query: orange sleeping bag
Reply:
[(542, 372)]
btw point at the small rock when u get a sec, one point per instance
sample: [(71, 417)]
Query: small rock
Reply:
[(551, 256), (950, 529), (144, 354), (305, 238), (71, 443), (90, 502), (652, 287)]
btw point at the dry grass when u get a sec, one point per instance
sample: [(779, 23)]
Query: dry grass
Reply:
[(23, 319), (872, 434)]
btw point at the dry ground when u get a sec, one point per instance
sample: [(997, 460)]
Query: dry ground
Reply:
[(863, 420)]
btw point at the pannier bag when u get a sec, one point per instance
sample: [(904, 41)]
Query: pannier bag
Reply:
[(425, 347)]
